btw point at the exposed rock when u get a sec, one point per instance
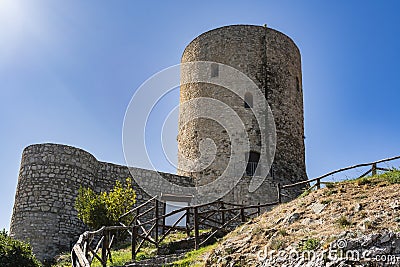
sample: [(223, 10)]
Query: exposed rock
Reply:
[(292, 218), (357, 207), (317, 208)]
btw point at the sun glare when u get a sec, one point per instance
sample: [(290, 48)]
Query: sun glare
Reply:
[(11, 14)]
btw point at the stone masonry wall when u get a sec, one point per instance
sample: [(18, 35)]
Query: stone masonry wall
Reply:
[(272, 60), (48, 182)]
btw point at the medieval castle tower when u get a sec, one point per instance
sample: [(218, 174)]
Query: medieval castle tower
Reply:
[(51, 174)]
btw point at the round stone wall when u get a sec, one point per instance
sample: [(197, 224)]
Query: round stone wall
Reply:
[(49, 178), (273, 62)]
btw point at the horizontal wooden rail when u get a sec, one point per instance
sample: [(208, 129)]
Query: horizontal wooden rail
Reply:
[(138, 207), (340, 170)]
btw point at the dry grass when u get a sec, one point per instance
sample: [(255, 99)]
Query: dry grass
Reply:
[(360, 206)]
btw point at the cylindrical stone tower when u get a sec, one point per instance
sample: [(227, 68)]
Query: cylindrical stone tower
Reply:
[(49, 178), (272, 60)]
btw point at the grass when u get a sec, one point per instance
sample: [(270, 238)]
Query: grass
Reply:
[(122, 253), (326, 201), (282, 232), (195, 258), (389, 177), (64, 260), (343, 222), (392, 176)]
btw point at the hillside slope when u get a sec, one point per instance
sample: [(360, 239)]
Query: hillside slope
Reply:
[(322, 229)]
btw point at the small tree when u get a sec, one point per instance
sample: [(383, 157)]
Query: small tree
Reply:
[(105, 208), (15, 253)]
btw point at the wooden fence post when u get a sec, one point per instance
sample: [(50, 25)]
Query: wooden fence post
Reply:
[(196, 228), (133, 242), (318, 184), (188, 222), (163, 219), (104, 249), (373, 169), (223, 213), (278, 189), (156, 222), (242, 217)]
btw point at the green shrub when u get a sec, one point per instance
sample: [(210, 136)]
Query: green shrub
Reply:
[(309, 244), (392, 176), (15, 253), (104, 209)]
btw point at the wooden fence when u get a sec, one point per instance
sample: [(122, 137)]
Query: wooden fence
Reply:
[(217, 216), (318, 181)]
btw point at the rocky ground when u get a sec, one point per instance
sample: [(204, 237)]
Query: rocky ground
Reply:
[(351, 223)]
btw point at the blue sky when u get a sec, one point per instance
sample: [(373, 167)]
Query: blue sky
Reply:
[(68, 70)]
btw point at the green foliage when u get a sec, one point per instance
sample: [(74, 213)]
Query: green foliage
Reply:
[(309, 244), (194, 258), (103, 209), (392, 176), (305, 193), (91, 208), (15, 253), (119, 257)]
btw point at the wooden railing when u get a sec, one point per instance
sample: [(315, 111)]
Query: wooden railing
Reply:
[(318, 181), (217, 216), (86, 249)]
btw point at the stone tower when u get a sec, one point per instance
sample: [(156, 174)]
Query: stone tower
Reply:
[(48, 181), (272, 60)]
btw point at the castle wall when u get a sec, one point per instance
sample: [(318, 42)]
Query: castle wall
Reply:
[(51, 174), (273, 62), (48, 182)]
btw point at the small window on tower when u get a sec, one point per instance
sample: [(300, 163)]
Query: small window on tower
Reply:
[(214, 70), (252, 162), (297, 84), (248, 100)]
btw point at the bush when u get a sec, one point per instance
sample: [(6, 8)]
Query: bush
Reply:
[(15, 253), (309, 244), (104, 209), (393, 176)]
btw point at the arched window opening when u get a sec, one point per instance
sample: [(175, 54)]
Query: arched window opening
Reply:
[(214, 70), (297, 84), (252, 163), (248, 100)]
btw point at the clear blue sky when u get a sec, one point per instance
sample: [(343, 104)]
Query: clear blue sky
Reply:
[(69, 68)]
